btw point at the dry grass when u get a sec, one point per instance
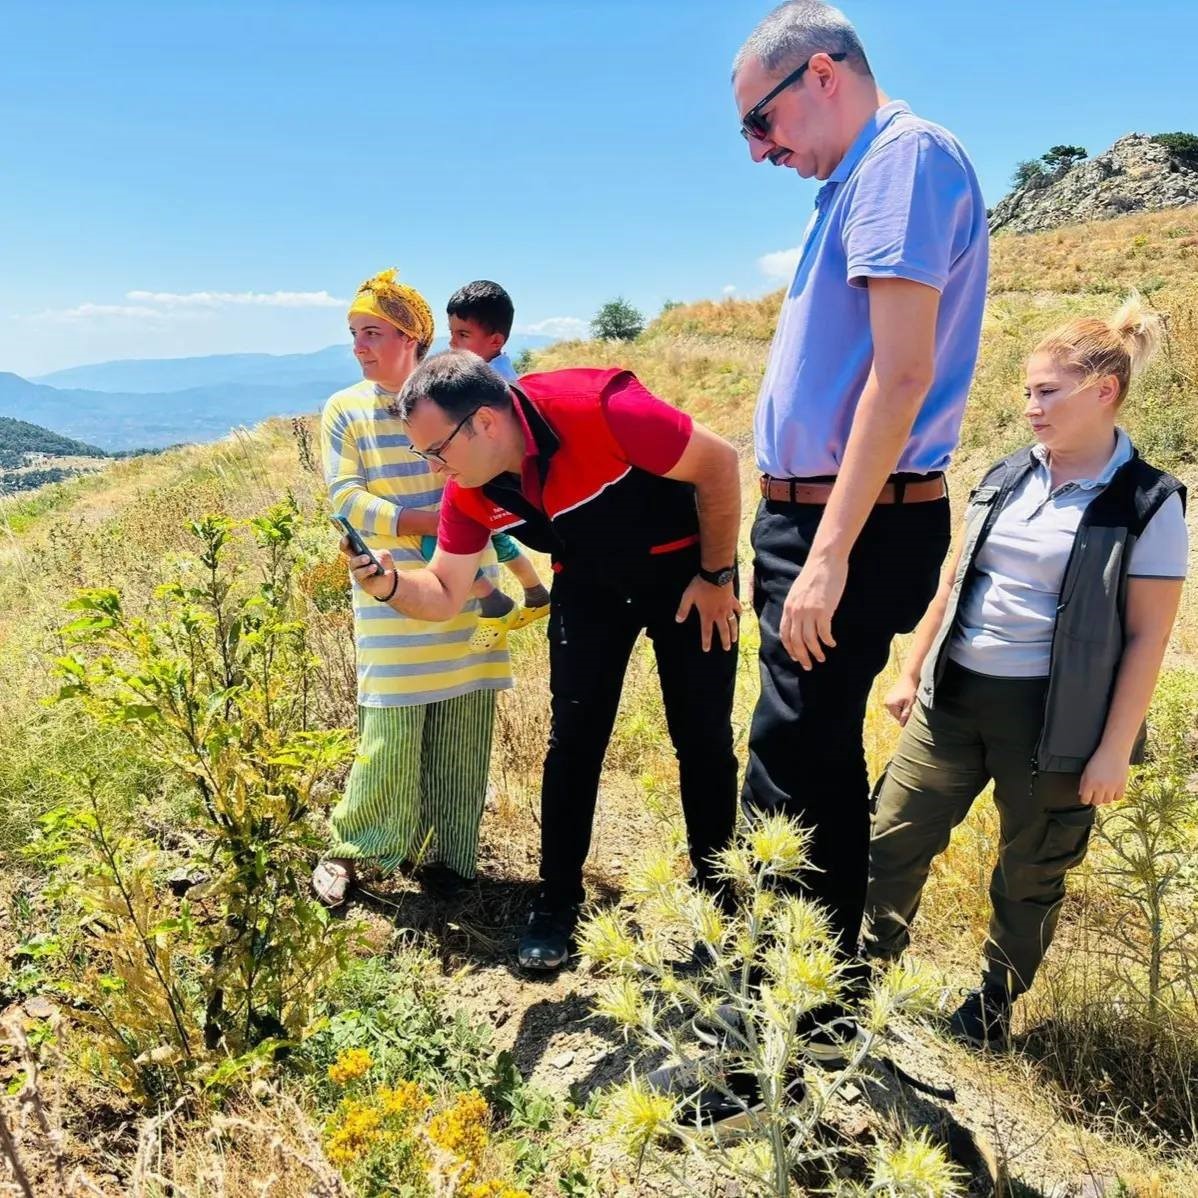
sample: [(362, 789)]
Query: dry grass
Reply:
[(1150, 251)]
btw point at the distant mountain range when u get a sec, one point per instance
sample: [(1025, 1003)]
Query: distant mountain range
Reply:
[(149, 403)]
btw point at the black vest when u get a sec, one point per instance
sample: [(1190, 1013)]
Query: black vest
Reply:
[(1087, 643)]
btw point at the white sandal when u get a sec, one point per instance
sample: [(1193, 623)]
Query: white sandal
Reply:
[(331, 880)]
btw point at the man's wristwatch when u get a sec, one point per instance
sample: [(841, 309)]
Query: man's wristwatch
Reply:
[(718, 578)]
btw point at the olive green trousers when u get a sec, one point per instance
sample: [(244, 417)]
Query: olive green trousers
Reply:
[(981, 730)]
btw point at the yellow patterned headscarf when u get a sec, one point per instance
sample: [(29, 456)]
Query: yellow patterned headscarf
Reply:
[(396, 303)]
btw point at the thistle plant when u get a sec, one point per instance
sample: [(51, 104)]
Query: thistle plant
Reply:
[(1150, 863), (773, 963)]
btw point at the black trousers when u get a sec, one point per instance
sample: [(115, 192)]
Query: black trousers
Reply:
[(806, 750), (592, 629)]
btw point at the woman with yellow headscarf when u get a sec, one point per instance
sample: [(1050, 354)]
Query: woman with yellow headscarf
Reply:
[(426, 696)]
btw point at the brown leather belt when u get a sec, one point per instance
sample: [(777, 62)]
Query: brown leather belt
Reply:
[(795, 490)]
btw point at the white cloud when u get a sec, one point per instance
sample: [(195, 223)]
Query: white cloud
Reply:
[(161, 306), (98, 312), (558, 326), (729, 288), (781, 264), (221, 299)]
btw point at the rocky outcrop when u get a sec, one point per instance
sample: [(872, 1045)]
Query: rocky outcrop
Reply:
[(1136, 174)]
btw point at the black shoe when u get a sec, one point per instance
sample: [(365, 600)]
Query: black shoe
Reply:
[(701, 959), (442, 882), (545, 945), (983, 1020), (832, 1035), (708, 1107), (717, 1030)]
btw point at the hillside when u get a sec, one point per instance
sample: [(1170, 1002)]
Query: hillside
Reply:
[(1095, 1101), (1138, 173), (32, 457), (19, 439)]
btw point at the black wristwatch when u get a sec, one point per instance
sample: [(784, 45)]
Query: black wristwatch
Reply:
[(718, 578)]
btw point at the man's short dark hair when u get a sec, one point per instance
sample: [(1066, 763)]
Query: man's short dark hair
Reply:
[(486, 303), (457, 381)]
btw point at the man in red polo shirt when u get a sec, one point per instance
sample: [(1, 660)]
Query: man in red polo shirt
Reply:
[(639, 508)]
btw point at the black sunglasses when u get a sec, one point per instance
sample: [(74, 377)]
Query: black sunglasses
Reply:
[(438, 454), (755, 124)]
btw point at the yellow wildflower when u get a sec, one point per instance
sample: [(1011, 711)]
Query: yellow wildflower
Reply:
[(406, 1102), (355, 1131), (462, 1128), (349, 1066), (494, 1188)]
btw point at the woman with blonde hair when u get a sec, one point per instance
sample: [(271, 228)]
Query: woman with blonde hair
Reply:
[(1036, 661), (426, 694)]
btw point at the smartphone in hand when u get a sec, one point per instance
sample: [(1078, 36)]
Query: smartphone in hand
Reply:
[(357, 546)]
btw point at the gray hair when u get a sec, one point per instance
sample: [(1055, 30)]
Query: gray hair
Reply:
[(794, 31)]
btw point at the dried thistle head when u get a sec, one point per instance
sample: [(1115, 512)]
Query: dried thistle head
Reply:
[(605, 940), (735, 865), (903, 988), (915, 1166), (639, 1115), (780, 845), (799, 922), (803, 978), (623, 1000)]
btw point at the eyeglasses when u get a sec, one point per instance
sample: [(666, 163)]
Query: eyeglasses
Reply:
[(438, 454), (755, 124)]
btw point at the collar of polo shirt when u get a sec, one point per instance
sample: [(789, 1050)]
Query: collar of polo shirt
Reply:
[(876, 123), (1119, 455)]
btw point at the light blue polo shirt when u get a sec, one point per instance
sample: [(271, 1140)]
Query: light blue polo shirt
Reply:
[(502, 365), (903, 203), (1009, 613)]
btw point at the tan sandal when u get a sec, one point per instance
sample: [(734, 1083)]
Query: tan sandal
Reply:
[(332, 879)]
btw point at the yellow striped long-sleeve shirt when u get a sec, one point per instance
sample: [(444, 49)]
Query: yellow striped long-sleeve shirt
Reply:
[(372, 475)]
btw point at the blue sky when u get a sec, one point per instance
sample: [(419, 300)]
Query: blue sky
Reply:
[(205, 176)]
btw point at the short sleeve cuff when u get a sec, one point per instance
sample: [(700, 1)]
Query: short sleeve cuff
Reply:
[(859, 273)]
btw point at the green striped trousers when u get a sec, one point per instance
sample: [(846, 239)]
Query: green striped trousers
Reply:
[(417, 787)]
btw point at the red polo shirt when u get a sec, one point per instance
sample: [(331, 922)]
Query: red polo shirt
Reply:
[(650, 433)]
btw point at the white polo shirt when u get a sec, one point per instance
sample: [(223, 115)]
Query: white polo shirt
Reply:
[(1009, 613)]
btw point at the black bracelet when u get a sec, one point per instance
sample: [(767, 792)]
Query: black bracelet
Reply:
[(391, 593)]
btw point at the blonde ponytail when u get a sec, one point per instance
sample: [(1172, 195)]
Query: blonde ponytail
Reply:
[(1140, 328), (1120, 346)]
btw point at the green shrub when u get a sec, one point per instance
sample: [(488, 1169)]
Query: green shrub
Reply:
[(214, 681)]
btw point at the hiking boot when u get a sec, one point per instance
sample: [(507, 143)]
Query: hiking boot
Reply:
[(983, 1020), (707, 1107), (545, 945)]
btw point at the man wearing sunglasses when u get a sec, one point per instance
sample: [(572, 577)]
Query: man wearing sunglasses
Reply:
[(859, 412), (639, 508)]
